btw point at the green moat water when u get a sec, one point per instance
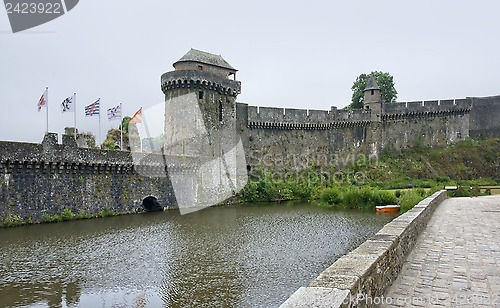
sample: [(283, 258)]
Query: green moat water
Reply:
[(243, 256)]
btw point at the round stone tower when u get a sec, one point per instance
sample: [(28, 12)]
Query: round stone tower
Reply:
[(200, 130), (200, 105)]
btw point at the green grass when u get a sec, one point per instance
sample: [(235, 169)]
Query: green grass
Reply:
[(465, 160), (404, 175), (411, 197)]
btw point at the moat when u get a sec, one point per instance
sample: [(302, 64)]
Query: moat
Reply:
[(244, 256)]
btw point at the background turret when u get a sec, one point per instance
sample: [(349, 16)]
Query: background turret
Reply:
[(372, 99)]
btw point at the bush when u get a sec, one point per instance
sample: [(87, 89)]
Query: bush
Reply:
[(483, 182), (67, 215), (442, 179), (47, 218), (367, 197), (84, 215), (350, 198), (331, 196), (107, 212), (12, 221), (267, 190), (249, 192), (410, 198), (386, 198), (302, 190), (460, 192), (286, 194), (397, 193), (467, 143), (420, 192)]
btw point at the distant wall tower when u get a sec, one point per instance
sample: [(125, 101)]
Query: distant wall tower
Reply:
[(372, 98), (200, 105)]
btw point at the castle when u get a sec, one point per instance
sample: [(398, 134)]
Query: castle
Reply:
[(291, 139), (211, 142)]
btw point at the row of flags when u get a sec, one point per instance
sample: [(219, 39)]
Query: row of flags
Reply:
[(68, 105)]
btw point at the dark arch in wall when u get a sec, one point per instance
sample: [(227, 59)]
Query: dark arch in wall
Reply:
[(150, 204)]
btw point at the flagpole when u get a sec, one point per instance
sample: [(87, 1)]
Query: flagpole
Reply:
[(121, 128), (74, 105), (138, 130), (147, 131), (99, 122), (47, 117)]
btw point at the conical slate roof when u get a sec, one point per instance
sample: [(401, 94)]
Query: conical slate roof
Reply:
[(194, 55), (371, 84)]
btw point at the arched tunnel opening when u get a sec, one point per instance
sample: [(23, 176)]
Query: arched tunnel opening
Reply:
[(150, 204)]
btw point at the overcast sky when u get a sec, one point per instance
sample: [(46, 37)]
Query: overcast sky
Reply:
[(299, 54)]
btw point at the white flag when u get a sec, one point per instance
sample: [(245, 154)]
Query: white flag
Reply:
[(115, 112), (68, 105), (43, 100)]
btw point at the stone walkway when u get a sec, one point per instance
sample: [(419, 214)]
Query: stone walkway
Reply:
[(456, 260)]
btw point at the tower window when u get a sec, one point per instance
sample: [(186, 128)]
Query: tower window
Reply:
[(200, 67), (200, 95), (220, 111), (373, 92)]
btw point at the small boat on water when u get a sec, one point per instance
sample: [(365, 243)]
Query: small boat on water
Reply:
[(388, 208)]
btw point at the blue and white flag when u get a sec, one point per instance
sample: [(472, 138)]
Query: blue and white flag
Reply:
[(92, 109), (115, 112)]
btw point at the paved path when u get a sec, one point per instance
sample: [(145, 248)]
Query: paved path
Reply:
[(456, 260)]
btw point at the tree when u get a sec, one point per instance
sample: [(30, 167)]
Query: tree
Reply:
[(384, 81), (125, 122), (113, 136)]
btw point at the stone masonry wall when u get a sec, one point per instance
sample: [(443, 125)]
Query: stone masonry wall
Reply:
[(47, 178), (290, 139), (485, 117), (276, 141)]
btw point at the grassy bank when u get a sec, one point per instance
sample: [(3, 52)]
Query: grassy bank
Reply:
[(331, 195), (66, 215), (403, 178)]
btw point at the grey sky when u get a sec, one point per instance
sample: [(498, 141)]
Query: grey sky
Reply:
[(289, 54)]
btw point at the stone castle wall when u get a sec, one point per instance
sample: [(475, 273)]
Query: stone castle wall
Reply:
[(291, 139), (485, 117), (47, 178)]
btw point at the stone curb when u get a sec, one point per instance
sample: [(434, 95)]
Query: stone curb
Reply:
[(362, 275)]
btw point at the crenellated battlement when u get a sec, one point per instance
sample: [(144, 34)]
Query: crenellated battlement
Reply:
[(199, 80), (426, 108), (52, 158), (287, 118), (307, 119), (288, 115), (352, 115)]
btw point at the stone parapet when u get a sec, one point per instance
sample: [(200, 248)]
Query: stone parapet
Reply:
[(360, 278), (199, 80)]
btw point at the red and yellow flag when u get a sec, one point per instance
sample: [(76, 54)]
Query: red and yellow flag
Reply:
[(137, 118)]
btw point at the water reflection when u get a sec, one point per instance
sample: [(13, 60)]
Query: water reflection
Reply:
[(239, 256)]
